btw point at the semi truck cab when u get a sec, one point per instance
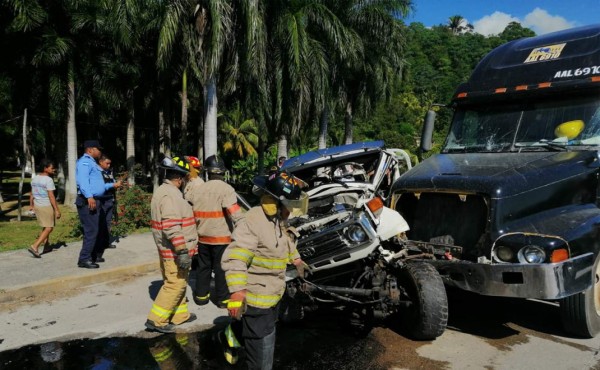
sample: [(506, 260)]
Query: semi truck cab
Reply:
[(513, 195)]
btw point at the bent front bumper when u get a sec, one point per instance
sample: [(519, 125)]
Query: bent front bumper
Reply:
[(541, 281)]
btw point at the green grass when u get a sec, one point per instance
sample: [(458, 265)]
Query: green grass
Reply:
[(19, 235)]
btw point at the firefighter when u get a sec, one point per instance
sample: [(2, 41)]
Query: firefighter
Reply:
[(255, 264), (174, 232), (195, 181), (216, 211)]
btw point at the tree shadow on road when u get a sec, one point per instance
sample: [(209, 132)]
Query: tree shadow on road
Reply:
[(501, 317)]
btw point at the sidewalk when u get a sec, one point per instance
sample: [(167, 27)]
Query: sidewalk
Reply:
[(22, 276)]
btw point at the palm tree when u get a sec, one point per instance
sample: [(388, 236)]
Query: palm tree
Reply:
[(238, 135), (53, 53), (458, 25), (372, 77), (299, 35)]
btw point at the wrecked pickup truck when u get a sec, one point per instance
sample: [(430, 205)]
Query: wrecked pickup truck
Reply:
[(513, 195), (350, 241)]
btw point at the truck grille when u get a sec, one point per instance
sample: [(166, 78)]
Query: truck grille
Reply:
[(439, 215), (327, 244)]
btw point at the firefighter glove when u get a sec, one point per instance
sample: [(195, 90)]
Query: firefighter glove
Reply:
[(183, 259), (302, 268), (237, 304)]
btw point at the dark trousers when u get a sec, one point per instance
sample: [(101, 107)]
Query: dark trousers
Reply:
[(209, 260), (257, 330), (90, 221), (106, 214)]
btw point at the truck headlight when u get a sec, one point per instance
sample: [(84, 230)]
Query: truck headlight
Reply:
[(532, 254), (504, 254), (356, 233)]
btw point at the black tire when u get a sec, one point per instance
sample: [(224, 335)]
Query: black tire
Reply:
[(426, 318), (580, 313)]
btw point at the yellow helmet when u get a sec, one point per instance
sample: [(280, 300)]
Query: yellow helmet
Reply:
[(569, 129)]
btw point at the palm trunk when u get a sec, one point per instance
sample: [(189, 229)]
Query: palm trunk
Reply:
[(210, 118), (164, 134), (324, 122), (130, 143), (348, 124), (184, 111), (261, 155), (282, 148), (70, 182)]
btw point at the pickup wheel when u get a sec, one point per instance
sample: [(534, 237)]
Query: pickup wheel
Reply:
[(427, 316), (580, 313)]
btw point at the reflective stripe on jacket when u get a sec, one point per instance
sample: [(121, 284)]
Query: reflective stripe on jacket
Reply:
[(173, 225), (216, 211), (257, 258)]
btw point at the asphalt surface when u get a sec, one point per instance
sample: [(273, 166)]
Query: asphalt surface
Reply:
[(22, 276), (51, 298)]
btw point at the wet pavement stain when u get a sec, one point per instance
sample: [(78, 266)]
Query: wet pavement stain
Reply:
[(314, 345), (506, 322), (400, 352)]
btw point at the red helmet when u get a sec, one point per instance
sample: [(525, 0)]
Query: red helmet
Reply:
[(194, 161)]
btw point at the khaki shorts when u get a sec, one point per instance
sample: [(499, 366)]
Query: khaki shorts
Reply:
[(45, 216)]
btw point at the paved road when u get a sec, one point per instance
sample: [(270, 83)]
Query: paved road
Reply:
[(483, 332)]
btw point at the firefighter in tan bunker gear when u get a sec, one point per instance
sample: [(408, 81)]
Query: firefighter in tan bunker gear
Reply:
[(195, 180), (255, 264), (217, 212), (174, 232)]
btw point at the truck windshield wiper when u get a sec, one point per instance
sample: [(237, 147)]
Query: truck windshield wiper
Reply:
[(543, 144)]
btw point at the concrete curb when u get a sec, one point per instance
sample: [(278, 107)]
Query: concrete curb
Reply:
[(67, 283)]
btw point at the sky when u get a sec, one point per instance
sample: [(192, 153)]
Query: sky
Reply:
[(490, 17)]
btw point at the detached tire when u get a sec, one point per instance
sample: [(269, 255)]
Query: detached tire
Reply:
[(426, 318), (580, 313)]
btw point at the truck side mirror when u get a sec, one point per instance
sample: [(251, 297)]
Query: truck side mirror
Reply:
[(427, 133)]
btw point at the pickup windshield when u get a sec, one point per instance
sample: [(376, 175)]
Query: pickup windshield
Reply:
[(565, 124)]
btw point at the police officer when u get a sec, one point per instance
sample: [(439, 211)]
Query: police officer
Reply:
[(255, 264), (216, 211), (110, 186), (174, 232), (90, 201)]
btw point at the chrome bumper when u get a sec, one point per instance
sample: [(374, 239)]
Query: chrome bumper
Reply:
[(541, 281)]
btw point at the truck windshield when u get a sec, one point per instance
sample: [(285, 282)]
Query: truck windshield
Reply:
[(565, 124)]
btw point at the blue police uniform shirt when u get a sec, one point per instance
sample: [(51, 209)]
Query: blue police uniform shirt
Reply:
[(89, 177)]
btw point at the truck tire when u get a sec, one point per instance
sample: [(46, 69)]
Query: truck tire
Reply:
[(580, 313), (426, 318)]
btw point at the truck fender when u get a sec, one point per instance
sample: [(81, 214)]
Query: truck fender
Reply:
[(390, 224)]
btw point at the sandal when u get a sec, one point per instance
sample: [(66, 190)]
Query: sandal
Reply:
[(33, 252)]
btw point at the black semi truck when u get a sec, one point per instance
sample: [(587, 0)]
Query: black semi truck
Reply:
[(513, 197)]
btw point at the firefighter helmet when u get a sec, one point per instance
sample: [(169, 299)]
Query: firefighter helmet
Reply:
[(175, 163), (286, 188), (215, 165), (194, 161)]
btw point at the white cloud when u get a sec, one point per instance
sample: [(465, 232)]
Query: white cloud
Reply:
[(542, 22), (493, 24), (539, 20)]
